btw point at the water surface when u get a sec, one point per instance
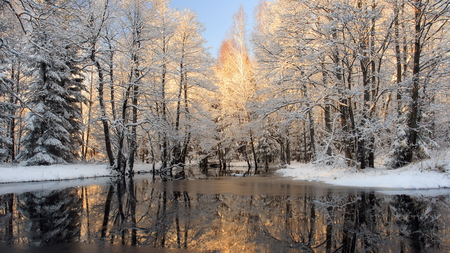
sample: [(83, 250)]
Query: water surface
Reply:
[(219, 214)]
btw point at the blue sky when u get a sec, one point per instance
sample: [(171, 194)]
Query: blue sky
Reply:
[(217, 17)]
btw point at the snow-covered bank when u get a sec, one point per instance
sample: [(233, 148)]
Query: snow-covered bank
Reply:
[(11, 174), (430, 174), (17, 173)]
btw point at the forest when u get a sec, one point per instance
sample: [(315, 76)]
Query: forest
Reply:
[(357, 83)]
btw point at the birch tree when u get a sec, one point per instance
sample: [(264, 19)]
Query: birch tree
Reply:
[(237, 93)]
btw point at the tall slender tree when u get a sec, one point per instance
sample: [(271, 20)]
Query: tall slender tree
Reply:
[(5, 117), (430, 19), (13, 70), (192, 76), (235, 71)]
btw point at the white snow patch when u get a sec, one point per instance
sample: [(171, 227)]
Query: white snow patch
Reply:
[(429, 174), (10, 174)]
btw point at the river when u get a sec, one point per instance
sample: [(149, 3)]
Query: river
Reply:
[(219, 214)]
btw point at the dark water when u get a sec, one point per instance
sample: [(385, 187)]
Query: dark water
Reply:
[(221, 214)]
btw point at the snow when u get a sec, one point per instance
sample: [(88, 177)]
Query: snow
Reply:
[(58, 172), (429, 174), (11, 174)]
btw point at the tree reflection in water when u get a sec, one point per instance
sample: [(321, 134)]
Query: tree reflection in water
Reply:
[(41, 219), (129, 212)]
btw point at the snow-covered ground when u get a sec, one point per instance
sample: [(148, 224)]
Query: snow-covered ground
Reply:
[(11, 173), (17, 173), (429, 174)]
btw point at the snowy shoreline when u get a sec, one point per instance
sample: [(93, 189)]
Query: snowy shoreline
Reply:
[(19, 174), (428, 174)]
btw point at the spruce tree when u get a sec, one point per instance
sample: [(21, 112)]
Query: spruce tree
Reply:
[(53, 125)]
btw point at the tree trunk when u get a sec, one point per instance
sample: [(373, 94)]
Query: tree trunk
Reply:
[(255, 159), (282, 153), (111, 80), (133, 136), (344, 104), (312, 134), (398, 57), (306, 156), (15, 86), (164, 145), (135, 77), (107, 211), (85, 146), (327, 109), (413, 116), (120, 163), (104, 119), (373, 92), (132, 209), (365, 63)]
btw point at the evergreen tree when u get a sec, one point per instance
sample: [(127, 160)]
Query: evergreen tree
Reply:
[(51, 217), (53, 125)]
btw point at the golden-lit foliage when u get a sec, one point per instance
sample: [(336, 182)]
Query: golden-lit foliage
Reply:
[(235, 71)]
